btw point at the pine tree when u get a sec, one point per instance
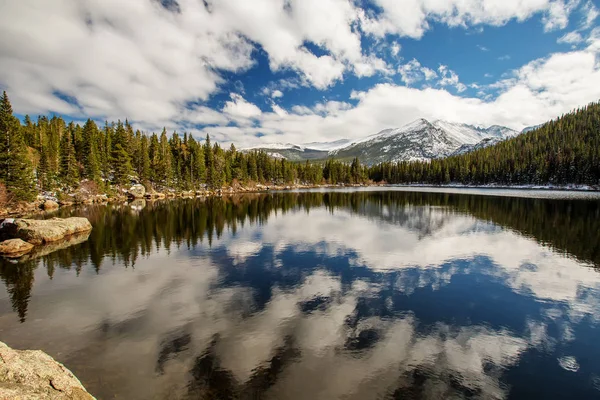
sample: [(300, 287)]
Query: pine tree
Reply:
[(210, 167), (15, 165), (89, 157), (197, 161), (121, 159), (106, 153), (69, 171), (154, 155), (122, 165), (165, 165), (219, 174), (143, 159)]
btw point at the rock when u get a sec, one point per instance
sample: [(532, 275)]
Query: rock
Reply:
[(33, 374), (15, 248), (137, 191), (41, 251), (37, 231), (138, 204), (50, 205)]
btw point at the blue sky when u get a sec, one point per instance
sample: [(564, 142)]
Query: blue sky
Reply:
[(299, 70)]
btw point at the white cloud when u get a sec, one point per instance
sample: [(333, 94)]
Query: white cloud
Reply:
[(558, 14), (482, 48), (368, 66), (590, 13), (413, 72), (570, 38), (140, 61), (535, 93), (411, 17), (450, 78), (239, 109), (504, 57), (395, 48)]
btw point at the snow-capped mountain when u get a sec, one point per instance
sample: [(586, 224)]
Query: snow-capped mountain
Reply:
[(419, 140), (532, 128), (467, 148), (300, 152)]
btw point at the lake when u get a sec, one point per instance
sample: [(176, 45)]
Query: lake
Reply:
[(353, 294)]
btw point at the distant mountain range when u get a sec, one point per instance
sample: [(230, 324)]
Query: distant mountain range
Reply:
[(419, 140)]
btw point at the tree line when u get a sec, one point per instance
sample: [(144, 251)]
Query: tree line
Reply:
[(53, 155)]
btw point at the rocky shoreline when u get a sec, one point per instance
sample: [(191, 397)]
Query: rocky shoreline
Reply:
[(48, 203), (33, 375), (20, 236)]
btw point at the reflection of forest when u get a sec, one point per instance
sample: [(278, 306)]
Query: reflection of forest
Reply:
[(125, 233)]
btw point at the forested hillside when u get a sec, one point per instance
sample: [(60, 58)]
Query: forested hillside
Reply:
[(50, 154), (563, 151), (53, 155)]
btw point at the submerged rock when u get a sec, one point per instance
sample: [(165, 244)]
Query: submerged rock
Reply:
[(41, 251), (137, 191), (33, 374), (15, 248), (44, 231), (138, 204), (50, 205)]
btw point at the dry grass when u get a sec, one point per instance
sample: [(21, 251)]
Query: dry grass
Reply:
[(89, 187)]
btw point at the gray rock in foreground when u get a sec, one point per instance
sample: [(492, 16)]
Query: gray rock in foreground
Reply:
[(33, 375), (37, 231)]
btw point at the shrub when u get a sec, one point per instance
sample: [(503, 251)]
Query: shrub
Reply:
[(5, 197)]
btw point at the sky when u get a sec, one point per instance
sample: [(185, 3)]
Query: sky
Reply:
[(296, 71)]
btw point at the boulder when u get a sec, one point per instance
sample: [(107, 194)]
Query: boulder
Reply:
[(137, 191), (50, 205), (15, 247), (41, 231), (33, 374), (41, 251), (138, 204)]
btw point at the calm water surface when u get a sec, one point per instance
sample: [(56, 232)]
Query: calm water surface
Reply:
[(353, 295)]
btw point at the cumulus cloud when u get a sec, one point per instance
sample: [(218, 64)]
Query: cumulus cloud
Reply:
[(163, 71), (239, 107), (590, 13), (534, 93), (450, 78), (570, 38), (413, 72), (396, 20)]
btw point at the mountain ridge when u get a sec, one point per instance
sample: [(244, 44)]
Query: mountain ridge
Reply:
[(417, 140)]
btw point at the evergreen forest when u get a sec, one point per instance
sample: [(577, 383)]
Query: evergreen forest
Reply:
[(51, 154)]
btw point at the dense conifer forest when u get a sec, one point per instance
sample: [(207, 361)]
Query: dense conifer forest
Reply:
[(50, 154)]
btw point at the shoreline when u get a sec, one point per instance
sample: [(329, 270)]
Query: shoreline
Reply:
[(37, 208)]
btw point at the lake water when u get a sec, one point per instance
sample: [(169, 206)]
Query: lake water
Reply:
[(367, 294)]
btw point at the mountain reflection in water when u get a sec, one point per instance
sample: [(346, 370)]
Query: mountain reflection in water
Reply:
[(354, 295)]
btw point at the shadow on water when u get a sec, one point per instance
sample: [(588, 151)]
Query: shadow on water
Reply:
[(413, 331)]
